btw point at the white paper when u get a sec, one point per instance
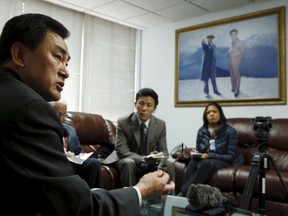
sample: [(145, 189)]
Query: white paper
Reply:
[(79, 159), (156, 156)]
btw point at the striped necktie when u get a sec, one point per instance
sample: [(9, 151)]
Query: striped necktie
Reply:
[(143, 132)]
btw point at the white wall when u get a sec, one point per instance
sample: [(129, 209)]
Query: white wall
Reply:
[(158, 72)]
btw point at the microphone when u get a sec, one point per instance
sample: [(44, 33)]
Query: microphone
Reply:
[(203, 196)]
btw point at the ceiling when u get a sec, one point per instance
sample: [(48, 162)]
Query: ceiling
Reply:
[(143, 14)]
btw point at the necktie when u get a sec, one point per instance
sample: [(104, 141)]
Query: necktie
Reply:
[(143, 132)]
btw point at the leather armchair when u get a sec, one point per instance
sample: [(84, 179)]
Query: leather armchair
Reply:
[(93, 131)]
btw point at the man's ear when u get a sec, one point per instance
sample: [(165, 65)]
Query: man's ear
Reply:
[(17, 53), (155, 109)]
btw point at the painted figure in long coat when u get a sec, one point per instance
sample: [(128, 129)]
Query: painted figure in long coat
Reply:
[(209, 65)]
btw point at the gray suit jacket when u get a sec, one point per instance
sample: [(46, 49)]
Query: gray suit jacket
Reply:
[(128, 138)]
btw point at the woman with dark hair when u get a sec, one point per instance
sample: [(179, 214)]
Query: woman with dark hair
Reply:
[(218, 144)]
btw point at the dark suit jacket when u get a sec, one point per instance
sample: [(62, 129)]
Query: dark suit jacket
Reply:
[(128, 137), (209, 62), (35, 173)]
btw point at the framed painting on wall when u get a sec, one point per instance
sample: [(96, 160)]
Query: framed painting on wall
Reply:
[(235, 61)]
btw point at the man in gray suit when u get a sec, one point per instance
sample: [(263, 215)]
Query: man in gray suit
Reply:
[(132, 163)]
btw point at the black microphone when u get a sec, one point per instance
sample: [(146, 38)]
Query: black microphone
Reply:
[(203, 196)]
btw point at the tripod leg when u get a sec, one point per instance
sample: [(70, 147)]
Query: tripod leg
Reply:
[(262, 181), (262, 187), (249, 188)]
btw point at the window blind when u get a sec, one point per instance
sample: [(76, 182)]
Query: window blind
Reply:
[(102, 65)]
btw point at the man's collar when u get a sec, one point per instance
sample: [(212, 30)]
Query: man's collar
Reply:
[(146, 123)]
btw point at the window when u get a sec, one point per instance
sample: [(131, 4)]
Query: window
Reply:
[(108, 68), (102, 65)]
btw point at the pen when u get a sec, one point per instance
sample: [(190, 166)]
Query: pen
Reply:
[(156, 148), (92, 147), (161, 164)]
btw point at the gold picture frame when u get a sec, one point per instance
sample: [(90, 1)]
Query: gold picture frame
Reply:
[(262, 66)]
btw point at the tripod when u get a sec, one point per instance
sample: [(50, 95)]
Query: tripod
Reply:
[(260, 164)]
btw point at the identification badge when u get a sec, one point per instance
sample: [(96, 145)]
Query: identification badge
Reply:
[(212, 144)]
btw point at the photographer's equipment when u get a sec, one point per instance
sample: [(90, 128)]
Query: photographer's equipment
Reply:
[(259, 165), (205, 200)]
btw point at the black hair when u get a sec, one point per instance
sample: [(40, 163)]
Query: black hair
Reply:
[(222, 116), (233, 30), (147, 92), (30, 30)]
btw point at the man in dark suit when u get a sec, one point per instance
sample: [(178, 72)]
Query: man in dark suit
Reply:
[(209, 65), (131, 163), (37, 178)]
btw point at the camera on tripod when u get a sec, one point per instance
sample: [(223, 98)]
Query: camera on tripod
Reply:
[(260, 164), (261, 122), (262, 127)]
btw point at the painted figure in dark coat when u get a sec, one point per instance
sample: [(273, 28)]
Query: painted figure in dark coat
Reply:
[(209, 65), (218, 143)]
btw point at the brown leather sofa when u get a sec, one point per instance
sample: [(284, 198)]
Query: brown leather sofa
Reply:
[(93, 131), (232, 180)]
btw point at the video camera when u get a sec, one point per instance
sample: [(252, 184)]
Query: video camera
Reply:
[(261, 122), (262, 126)]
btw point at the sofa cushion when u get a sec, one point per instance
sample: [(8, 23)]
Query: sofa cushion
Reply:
[(274, 190), (224, 179)]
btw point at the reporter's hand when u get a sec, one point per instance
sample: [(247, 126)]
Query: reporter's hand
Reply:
[(204, 156), (69, 154), (155, 184), (153, 152), (149, 159), (194, 151)]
